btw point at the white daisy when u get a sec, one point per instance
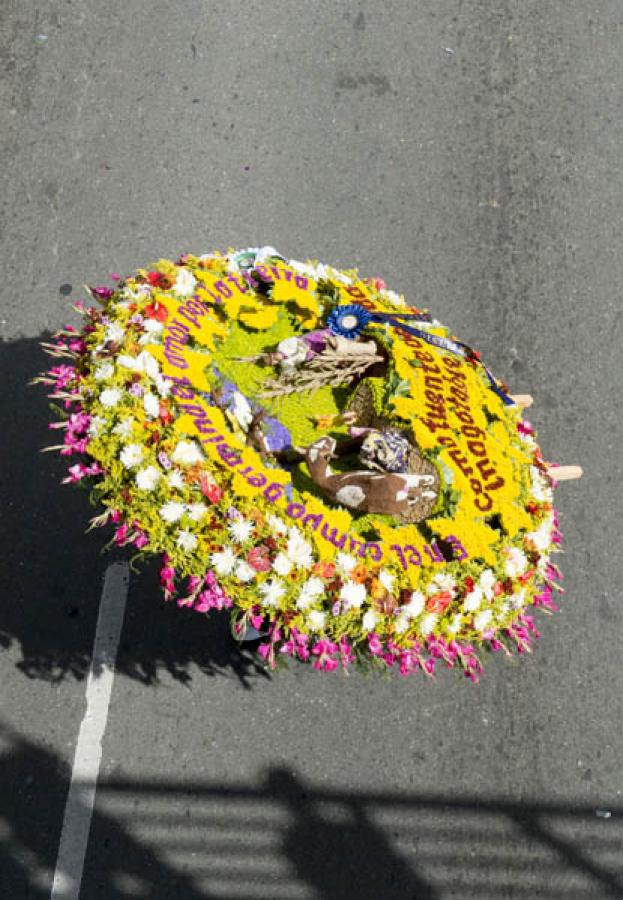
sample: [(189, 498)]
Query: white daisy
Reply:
[(276, 524), (175, 479), (147, 479), (95, 425), (132, 455), (415, 606), (387, 579), (114, 332), (516, 562), (282, 564), (172, 511), (428, 623), (124, 428), (151, 405), (104, 371), (196, 511), (316, 620), (345, 563), (224, 561), (482, 619), (369, 620), (163, 385), (187, 453), (310, 591), (272, 591), (186, 541), (240, 530), (110, 397), (486, 582), (299, 550), (473, 600), (245, 572), (184, 283), (352, 594), (542, 537), (455, 624)]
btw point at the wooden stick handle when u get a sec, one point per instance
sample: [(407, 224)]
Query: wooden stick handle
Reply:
[(522, 400), (564, 473)]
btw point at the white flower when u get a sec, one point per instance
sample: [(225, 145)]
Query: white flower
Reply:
[(104, 371), (369, 620), (486, 582), (132, 455), (393, 298), (187, 453), (455, 624), (387, 579), (245, 572), (110, 397), (518, 599), (172, 511), (299, 550), (95, 425), (186, 541), (163, 385), (114, 332), (124, 428), (482, 619), (352, 594), (428, 623), (175, 479), (316, 620), (151, 405), (147, 479), (345, 563), (310, 591), (276, 524), (240, 530), (282, 564), (153, 331), (196, 511), (542, 537), (224, 561), (294, 351), (185, 282), (415, 606), (442, 582), (516, 562), (401, 623), (473, 600), (241, 410), (272, 591)]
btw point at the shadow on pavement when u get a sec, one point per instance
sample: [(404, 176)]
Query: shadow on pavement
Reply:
[(51, 571), (284, 837)]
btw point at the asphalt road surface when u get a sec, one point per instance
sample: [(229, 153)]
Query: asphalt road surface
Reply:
[(469, 152)]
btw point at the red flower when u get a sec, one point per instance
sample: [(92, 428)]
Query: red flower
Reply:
[(157, 311), (210, 489), (165, 414), (438, 602), (469, 584), (258, 558), (159, 279)]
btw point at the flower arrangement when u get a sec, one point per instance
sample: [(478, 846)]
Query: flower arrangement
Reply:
[(206, 401)]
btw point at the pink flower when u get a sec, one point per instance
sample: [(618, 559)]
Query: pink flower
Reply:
[(374, 644)]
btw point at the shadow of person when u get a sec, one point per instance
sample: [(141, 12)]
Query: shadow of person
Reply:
[(51, 570), (33, 787), (340, 852)]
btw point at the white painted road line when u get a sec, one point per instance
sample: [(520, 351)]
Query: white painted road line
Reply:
[(87, 758)]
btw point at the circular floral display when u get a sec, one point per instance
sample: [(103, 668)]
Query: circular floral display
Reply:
[(311, 453)]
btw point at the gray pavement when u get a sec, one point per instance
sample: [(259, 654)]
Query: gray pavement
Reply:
[(468, 151)]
